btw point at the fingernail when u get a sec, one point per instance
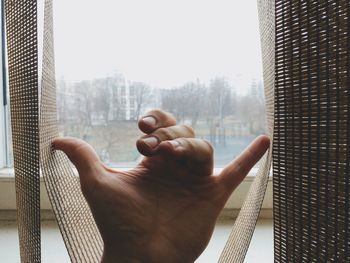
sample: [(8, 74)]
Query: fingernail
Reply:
[(150, 121), (174, 143), (151, 141)]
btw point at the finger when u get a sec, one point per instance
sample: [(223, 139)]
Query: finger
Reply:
[(234, 173), (148, 145), (195, 153), (82, 155), (155, 119)]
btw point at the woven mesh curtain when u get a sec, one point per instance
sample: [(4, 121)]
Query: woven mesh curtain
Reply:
[(78, 228), (79, 231), (312, 131), (21, 28)]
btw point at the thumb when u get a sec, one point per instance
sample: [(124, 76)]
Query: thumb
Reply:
[(82, 155), (234, 173)]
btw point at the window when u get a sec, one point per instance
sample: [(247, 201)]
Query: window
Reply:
[(192, 58), (137, 55)]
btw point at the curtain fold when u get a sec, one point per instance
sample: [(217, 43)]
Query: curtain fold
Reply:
[(75, 220), (22, 50)]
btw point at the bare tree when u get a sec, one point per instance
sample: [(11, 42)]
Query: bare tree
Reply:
[(219, 105), (220, 99), (252, 109), (62, 101), (141, 92), (83, 102), (117, 84), (102, 98), (185, 102)]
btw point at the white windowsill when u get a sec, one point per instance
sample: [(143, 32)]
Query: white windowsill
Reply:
[(8, 197)]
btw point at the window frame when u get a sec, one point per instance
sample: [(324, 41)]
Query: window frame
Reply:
[(4, 113), (3, 152), (3, 131)]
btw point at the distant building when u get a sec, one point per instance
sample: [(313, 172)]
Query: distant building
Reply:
[(100, 100)]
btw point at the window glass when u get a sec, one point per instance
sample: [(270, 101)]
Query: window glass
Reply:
[(6, 140), (9, 149), (199, 60)]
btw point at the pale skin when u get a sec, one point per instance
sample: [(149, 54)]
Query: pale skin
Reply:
[(165, 209)]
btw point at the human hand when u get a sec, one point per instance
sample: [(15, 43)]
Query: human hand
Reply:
[(165, 209)]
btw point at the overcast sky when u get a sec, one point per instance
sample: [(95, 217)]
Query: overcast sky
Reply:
[(164, 43)]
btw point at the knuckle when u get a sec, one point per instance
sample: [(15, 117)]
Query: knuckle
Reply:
[(165, 133), (243, 166), (239, 168), (210, 147), (188, 145), (183, 142), (170, 116), (79, 148), (75, 152), (189, 130)]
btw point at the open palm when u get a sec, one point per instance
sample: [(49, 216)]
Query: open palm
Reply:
[(165, 209)]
